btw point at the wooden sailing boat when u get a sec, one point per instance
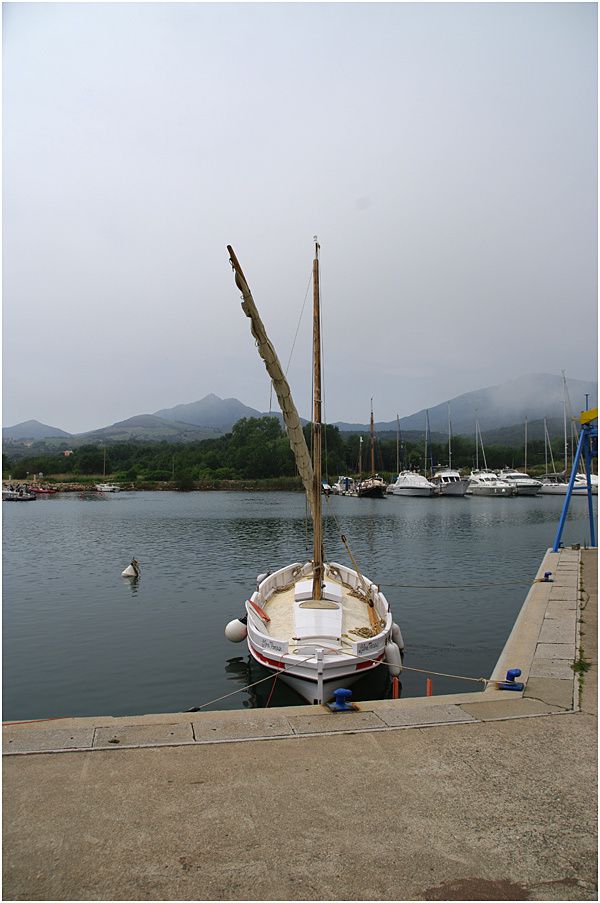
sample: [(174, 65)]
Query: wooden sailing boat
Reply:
[(319, 625), (373, 486)]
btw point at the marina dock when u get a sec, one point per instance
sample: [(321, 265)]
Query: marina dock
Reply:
[(488, 794)]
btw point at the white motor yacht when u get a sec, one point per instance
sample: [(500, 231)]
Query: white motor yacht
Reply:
[(486, 482), (525, 485), (449, 482), (107, 487), (409, 482)]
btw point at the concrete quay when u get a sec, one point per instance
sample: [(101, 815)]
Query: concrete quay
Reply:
[(486, 795)]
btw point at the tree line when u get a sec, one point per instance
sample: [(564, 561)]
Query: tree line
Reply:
[(258, 449)]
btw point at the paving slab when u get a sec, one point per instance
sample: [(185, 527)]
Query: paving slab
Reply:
[(396, 716), (561, 608), (551, 691), (558, 631), (341, 721), (569, 592), (143, 734), (512, 708), (214, 727), (27, 738), (564, 651), (551, 667)]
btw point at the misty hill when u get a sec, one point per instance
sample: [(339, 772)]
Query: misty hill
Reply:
[(146, 427), (498, 408), (210, 411), (534, 396), (32, 429)]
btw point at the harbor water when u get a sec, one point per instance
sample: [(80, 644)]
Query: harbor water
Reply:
[(79, 639)]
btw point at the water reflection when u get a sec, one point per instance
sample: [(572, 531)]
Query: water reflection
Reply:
[(133, 584), (71, 647)]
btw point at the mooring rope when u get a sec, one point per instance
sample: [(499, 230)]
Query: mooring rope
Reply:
[(455, 586), (197, 708)]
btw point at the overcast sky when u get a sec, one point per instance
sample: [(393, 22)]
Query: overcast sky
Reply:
[(446, 156)]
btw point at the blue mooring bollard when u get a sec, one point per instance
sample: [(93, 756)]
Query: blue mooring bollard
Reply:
[(510, 682), (342, 697), (547, 579)]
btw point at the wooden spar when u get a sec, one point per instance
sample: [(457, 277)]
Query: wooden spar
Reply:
[(279, 381), (372, 442), (317, 434)]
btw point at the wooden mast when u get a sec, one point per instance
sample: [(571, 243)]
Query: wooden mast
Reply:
[(372, 442), (317, 435)]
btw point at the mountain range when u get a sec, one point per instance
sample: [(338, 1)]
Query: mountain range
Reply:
[(497, 408)]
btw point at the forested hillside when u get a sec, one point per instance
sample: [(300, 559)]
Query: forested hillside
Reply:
[(258, 449)]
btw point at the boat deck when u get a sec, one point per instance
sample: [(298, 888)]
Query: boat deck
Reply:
[(280, 608)]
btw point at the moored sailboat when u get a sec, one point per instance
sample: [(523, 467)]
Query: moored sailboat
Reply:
[(319, 625), (373, 487)]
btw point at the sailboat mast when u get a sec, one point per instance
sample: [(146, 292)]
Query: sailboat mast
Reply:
[(525, 467), (565, 418), (397, 443), (372, 442), (317, 434), (476, 444), (449, 440), (545, 445)]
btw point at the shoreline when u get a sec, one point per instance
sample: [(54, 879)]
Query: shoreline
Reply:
[(169, 486)]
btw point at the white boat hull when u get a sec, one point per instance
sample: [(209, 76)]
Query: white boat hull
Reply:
[(308, 685), (528, 490), (413, 490), (561, 489), (491, 490), (453, 489)]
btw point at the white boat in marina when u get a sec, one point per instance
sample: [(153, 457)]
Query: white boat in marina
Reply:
[(409, 482), (554, 483), (18, 493), (448, 482), (558, 484), (107, 487), (318, 625), (344, 486), (581, 483), (525, 484), (486, 482)]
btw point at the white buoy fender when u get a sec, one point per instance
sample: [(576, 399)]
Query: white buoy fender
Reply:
[(393, 658), (132, 570), (262, 577), (236, 631), (397, 637)]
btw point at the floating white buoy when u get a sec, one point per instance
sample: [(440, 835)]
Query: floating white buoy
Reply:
[(236, 631), (393, 658), (397, 637), (132, 570)]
